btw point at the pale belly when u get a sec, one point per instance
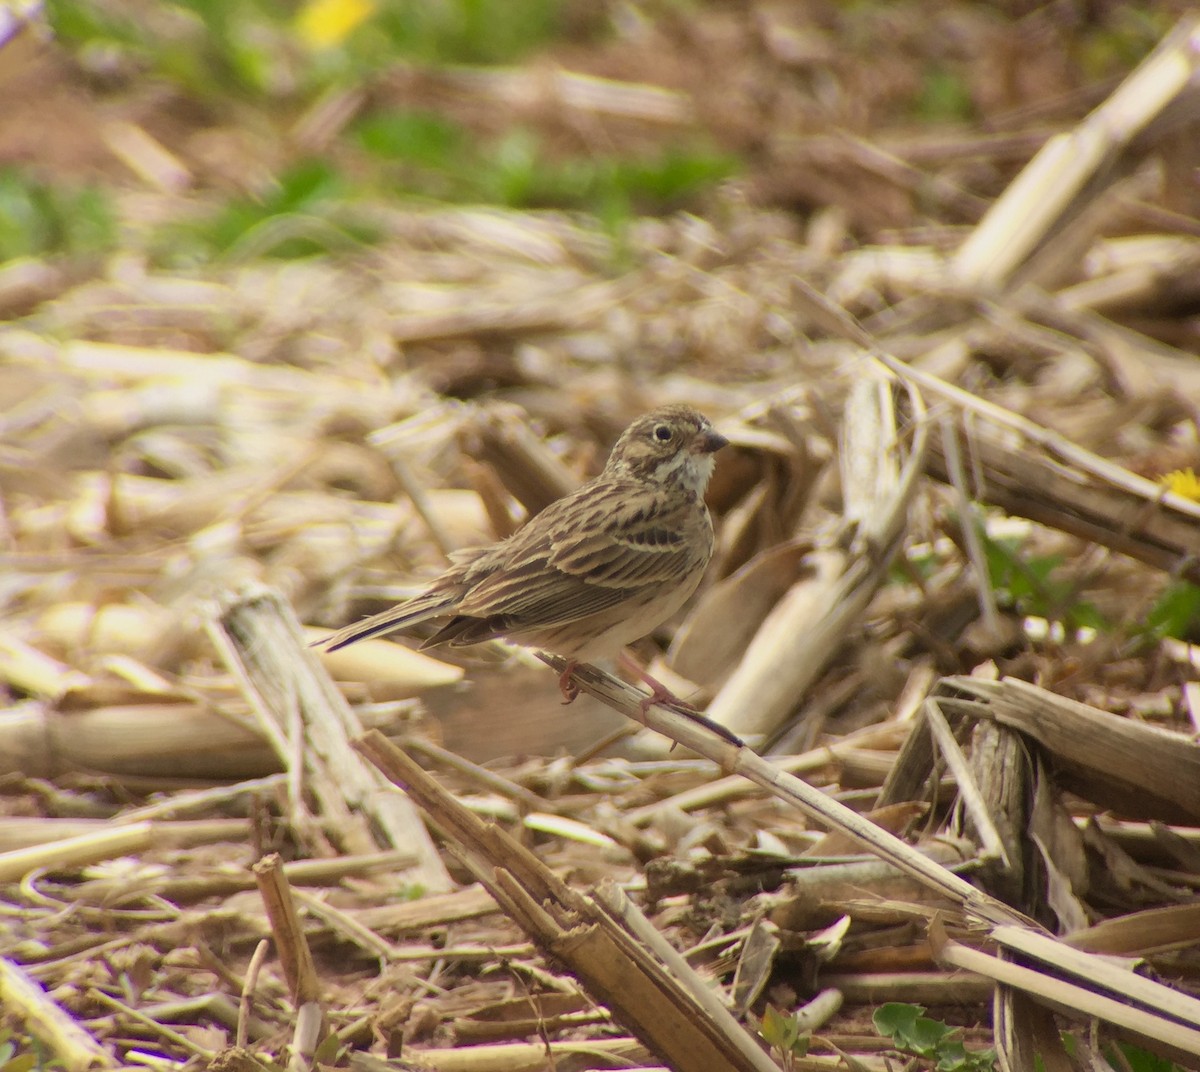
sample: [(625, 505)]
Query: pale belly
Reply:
[(603, 635)]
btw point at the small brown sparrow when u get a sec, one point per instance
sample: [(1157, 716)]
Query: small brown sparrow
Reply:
[(593, 571)]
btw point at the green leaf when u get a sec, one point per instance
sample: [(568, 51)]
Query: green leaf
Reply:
[(928, 1036), (896, 1018), (22, 1062), (1176, 613), (1028, 585), (37, 219), (1140, 1061), (327, 1050), (417, 137), (467, 31), (778, 1030), (945, 96)]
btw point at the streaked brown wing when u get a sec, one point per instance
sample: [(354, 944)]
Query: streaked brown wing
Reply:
[(584, 555)]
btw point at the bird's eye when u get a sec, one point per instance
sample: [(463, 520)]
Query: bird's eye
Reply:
[(663, 433)]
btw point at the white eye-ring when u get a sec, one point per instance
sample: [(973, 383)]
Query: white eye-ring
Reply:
[(663, 433)]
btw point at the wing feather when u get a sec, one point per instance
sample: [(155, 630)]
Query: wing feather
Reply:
[(587, 554), (599, 546), (433, 604)]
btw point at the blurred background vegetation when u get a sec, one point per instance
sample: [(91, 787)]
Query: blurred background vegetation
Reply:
[(288, 124)]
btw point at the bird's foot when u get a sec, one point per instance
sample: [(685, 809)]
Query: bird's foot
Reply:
[(660, 694), (566, 683)]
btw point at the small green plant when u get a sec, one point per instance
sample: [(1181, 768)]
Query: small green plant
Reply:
[(421, 139), (466, 31), (214, 49), (425, 154), (522, 176), (21, 1055), (1115, 43), (268, 49), (1138, 1060), (944, 97), (38, 219), (914, 1033), (782, 1033), (1129, 1057), (1176, 613), (1028, 584), (307, 212)]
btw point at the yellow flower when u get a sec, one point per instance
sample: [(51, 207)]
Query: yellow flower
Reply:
[(1183, 482), (326, 23)]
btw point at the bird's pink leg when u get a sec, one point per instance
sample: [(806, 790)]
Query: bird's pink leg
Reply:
[(659, 693), (566, 686)]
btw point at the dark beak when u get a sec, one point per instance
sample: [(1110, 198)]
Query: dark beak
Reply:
[(709, 442)]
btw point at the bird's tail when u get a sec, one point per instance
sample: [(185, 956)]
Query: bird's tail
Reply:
[(391, 620)]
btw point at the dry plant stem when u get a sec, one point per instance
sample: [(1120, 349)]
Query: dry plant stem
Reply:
[(416, 953), (26, 832), (1054, 180), (216, 1007), (619, 1053), (755, 963), (1099, 974), (618, 905), (200, 800), (855, 878), (1000, 762), (306, 1035), (912, 770), (263, 645), (161, 1030), (1153, 930), (1144, 771), (969, 528), (257, 959), (1147, 526), (26, 1002), (509, 88), (34, 672), (812, 802), (925, 988), (615, 968), (104, 844), (190, 740), (526, 466), (481, 776), (290, 942), (533, 315), (467, 1032), (840, 322), (807, 627), (352, 930), (1017, 1025), (436, 910), (724, 790), (621, 973), (191, 888), (1071, 488), (1155, 1031), (889, 848), (820, 1010), (424, 508), (993, 847)]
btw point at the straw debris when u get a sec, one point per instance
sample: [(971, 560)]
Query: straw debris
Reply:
[(946, 649)]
